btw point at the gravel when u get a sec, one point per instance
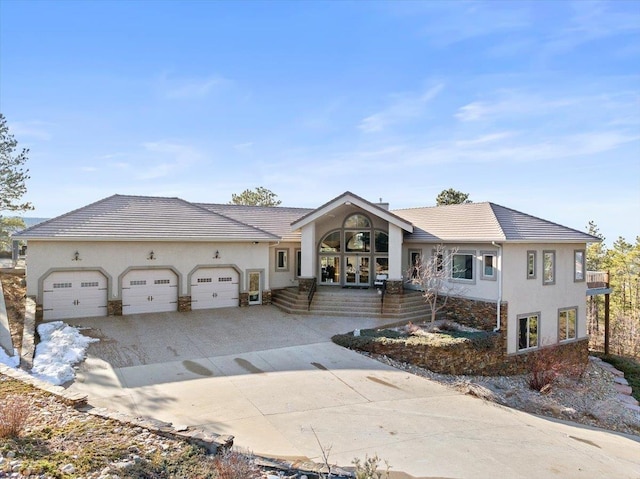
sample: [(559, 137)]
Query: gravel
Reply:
[(591, 399)]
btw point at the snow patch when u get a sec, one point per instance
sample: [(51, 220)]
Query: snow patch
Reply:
[(11, 361), (61, 346)]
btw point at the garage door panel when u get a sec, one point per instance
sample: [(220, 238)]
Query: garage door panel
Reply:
[(149, 291), (74, 294), (215, 288)]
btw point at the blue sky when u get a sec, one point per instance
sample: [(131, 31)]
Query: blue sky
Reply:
[(532, 105)]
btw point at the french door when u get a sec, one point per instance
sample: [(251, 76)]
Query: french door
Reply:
[(356, 270)]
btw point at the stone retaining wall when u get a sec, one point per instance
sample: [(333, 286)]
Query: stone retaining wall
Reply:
[(485, 357)]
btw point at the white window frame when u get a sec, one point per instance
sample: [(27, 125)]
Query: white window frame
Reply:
[(413, 269), (282, 254), (473, 267), (551, 254), (532, 256), (579, 267), (494, 265), (561, 311), (529, 346)]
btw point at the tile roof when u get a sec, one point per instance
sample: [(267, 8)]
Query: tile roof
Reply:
[(138, 217), (484, 222), (143, 217), (274, 219)]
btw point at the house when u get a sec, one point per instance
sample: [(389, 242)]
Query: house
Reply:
[(522, 275)]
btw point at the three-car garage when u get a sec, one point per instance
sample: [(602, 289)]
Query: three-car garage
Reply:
[(75, 294)]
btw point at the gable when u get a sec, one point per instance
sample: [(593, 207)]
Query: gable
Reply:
[(350, 199)]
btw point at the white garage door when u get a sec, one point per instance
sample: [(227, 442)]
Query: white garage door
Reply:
[(149, 291), (215, 288), (74, 294)]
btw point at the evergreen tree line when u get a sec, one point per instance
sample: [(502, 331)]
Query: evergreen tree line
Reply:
[(622, 261)]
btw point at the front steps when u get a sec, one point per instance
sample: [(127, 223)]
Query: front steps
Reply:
[(359, 303)]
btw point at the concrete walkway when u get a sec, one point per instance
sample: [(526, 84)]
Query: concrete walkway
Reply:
[(272, 380)]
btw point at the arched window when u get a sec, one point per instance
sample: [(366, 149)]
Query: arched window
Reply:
[(331, 243), (357, 221)]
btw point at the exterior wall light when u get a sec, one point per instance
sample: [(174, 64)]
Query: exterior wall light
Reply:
[(151, 256), (76, 257), (217, 255)]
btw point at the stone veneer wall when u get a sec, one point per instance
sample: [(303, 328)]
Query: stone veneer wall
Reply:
[(305, 284), (244, 299), (39, 310), (184, 304), (475, 314), (114, 307), (486, 358), (394, 287), (266, 297)]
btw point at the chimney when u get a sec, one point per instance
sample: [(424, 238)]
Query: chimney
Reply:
[(384, 206)]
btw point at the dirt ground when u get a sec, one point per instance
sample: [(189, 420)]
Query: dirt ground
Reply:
[(14, 296)]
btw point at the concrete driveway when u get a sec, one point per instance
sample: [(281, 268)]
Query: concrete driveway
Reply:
[(272, 379)]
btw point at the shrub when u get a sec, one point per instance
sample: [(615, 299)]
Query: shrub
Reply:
[(14, 411), (234, 465), (368, 469), (546, 365)]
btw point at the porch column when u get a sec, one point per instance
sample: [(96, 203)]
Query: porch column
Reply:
[(308, 251), (396, 237)]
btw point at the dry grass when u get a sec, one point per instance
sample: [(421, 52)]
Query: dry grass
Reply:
[(233, 465), (14, 412)]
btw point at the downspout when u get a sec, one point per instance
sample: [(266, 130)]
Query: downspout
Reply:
[(498, 309)]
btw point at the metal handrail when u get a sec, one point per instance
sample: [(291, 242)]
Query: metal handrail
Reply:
[(312, 292)]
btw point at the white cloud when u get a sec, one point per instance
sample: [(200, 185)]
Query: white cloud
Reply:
[(242, 147), (38, 130), (189, 88), (403, 107), (168, 157)]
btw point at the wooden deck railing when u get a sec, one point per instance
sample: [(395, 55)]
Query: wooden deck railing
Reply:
[(597, 279)]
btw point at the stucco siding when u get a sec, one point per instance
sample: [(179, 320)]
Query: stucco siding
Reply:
[(477, 288), (532, 296), (116, 257), (283, 277)]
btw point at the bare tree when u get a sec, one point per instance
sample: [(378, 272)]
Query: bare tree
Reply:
[(433, 276)]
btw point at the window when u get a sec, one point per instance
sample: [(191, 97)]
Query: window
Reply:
[(298, 263), (61, 285), (462, 266), (331, 243), (89, 284), (489, 263), (578, 265), (357, 241), (531, 265), (567, 323), (549, 267), (414, 262), (381, 242), (528, 331), (357, 221), (282, 260), (162, 281)]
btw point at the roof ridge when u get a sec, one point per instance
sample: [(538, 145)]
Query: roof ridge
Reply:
[(441, 206), (539, 219), (199, 203), (195, 205)]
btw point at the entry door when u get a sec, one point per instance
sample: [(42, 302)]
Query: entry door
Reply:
[(356, 271), (255, 291)]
